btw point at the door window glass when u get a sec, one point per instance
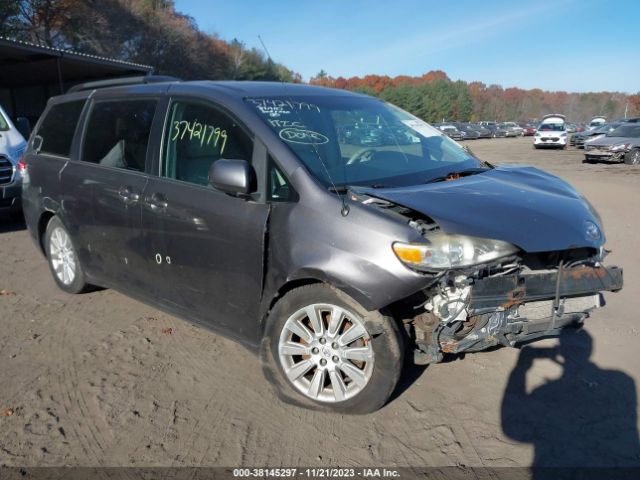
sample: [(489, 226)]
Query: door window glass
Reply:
[(279, 188), (58, 127), (197, 135), (118, 133)]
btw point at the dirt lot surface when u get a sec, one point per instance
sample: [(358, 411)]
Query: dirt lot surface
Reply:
[(100, 379)]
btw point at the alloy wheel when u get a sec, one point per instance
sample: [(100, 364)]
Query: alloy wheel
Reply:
[(63, 257), (326, 353)]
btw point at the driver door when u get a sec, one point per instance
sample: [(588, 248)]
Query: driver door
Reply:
[(207, 246)]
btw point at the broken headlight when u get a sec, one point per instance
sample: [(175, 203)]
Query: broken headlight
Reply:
[(620, 146), (444, 252)]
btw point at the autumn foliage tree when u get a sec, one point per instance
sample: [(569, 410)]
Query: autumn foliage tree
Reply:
[(435, 98), (150, 32)]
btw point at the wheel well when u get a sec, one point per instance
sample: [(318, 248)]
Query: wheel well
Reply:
[(286, 288), (42, 227)]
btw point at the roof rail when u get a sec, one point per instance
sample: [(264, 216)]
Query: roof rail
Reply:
[(117, 82)]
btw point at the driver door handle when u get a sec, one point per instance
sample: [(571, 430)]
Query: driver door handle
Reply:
[(128, 196)]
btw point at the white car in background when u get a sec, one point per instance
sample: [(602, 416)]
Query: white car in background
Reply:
[(12, 146), (551, 133), (597, 122)]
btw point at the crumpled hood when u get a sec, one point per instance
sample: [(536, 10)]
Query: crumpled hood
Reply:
[(606, 141), (522, 205)]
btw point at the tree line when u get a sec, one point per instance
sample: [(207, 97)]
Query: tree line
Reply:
[(435, 98), (150, 32)]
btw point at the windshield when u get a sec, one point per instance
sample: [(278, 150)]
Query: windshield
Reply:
[(551, 127), (352, 140), (3, 122), (625, 131)]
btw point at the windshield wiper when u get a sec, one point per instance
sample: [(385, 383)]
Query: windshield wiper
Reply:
[(455, 174)]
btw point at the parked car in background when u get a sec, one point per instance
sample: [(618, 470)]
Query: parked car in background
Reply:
[(551, 132), (451, 131), (483, 132), (619, 145), (578, 139), (528, 130), (496, 130), (12, 146), (514, 129), (597, 122), (468, 132), (509, 130)]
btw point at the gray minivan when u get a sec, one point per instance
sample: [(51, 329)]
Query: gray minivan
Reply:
[(244, 207)]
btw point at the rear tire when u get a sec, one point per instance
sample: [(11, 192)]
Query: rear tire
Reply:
[(349, 362), (63, 258), (632, 157)]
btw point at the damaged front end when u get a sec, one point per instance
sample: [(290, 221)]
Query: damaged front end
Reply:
[(508, 304), (497, 294)]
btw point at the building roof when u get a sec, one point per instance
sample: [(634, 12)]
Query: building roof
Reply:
[(28, 64)]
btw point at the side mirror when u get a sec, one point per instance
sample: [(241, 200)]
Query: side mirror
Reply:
[(235, 177), (36, 143), (23, 126)]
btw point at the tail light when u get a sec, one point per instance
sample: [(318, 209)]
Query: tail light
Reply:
[(22, 166)]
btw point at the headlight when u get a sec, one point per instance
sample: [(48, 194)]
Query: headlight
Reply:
[(622, 146), (564, 134), (538, 134), (443, 252)]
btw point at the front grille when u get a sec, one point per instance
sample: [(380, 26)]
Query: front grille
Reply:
[(6, 170)]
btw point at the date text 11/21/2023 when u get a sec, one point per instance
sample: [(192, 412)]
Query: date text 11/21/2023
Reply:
[(317, 472)]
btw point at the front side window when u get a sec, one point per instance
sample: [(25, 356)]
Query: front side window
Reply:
[(353, 140), (58, 127), (118, 133), (196, 135), (279, 188)]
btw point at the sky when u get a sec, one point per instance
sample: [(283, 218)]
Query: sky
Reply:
[(570, 45)]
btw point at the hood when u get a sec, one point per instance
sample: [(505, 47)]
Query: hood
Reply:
[(606, 141), (525, 206)]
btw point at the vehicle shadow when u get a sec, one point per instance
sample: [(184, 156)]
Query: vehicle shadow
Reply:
[(11, 222), (410, 374), (584, 419)]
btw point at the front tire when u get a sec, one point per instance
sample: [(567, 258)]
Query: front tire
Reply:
[(63, 258), (632, 157), (322, 350)]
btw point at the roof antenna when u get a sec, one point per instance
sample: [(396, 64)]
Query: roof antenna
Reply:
[(344, 211)]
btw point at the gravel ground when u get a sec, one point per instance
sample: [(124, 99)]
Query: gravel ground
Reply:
[(102, 380)]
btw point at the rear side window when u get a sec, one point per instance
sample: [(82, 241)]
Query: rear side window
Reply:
[(58, 127), (117, 133)]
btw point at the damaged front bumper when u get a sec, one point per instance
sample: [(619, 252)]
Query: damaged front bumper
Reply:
[(605, 153), (514, 309)]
